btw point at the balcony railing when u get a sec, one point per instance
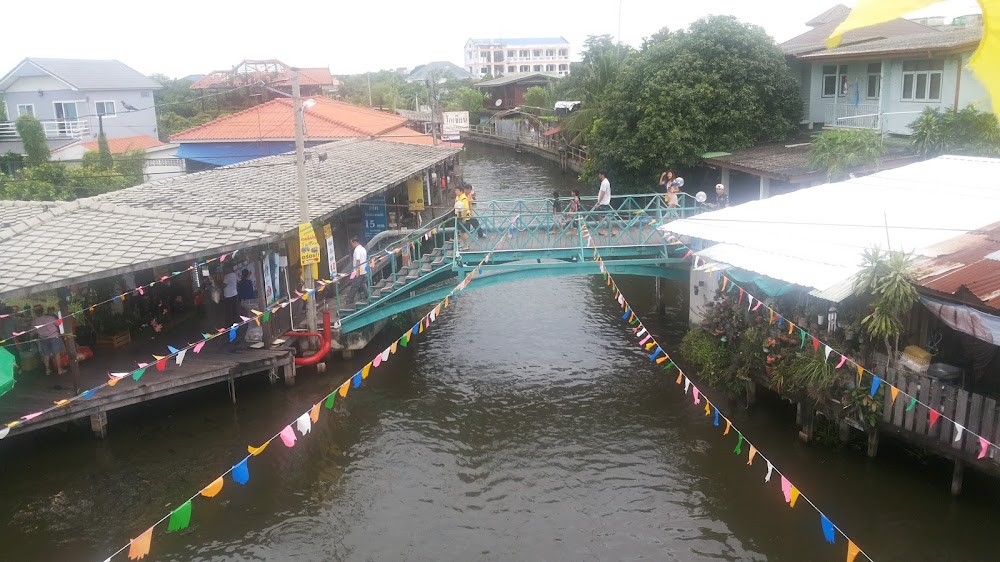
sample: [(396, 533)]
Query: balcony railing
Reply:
[(850, 116), (54, 129)]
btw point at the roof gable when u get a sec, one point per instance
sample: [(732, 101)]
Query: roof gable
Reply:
[(83, 74), (815, 39), (837, 14)]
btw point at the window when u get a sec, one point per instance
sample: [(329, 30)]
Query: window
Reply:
[(537, 68), (525, 68), (525, 54), (511, 68), (563, 68), (484, 70), (511, 54), (498, 56), (874, 80), (922, 80), (562, 52), (536, 53), (25, 109), (106, 108), (550, 53), (144, 94), (550, 68), (832, 76)]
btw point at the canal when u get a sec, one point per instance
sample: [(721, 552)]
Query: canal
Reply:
[(524, 425)]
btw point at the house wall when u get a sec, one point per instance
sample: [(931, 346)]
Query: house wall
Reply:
[(969, 90), (43, 92)]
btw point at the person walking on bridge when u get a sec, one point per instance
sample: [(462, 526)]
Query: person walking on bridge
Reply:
[(470, 195), (462, 215), (604, 203)]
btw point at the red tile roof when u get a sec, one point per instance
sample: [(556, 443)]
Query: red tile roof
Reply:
[(122, 145), (327, 120), (968, 264)]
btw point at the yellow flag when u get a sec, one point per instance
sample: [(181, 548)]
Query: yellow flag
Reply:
[(894, 391), (650, 345), (214, 488), (861, 371), (707, 407), (343, 389), (793, 496), (62, 403), (852, 550), (365, 370), (139, 546), (256, 450), (392, 348), (872, 12)]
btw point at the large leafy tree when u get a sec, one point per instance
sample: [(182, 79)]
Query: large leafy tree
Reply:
[(590, 82), (720, 85)]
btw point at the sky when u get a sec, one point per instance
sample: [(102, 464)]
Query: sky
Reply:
[(197, 36)]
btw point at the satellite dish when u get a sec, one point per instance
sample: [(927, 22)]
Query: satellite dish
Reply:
[(680, 182), (700, 197), (499, 102)]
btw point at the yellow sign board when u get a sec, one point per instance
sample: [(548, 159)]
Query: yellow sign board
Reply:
[(415, 193), (308, 245)]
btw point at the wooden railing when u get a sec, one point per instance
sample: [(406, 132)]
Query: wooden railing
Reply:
[(575, 154)]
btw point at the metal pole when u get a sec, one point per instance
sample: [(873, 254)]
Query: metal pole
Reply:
[(300, 168), (430, 89), (369, 89)]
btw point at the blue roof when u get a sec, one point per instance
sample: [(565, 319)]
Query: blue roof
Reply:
[(518, 42), (226, 153)]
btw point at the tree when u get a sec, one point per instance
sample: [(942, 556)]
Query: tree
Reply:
[(885, 279), (466, 99), (720, 85), (33, 137), (104, 160), (839, 151), (969, 131), (538, 100), (589, 83)]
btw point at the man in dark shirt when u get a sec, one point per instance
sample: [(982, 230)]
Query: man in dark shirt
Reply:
[(721, 198), (245, 292)]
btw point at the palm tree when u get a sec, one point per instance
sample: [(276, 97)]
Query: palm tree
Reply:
[(887, 278)]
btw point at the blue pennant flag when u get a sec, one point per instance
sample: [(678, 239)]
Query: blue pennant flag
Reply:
[(875, 382), (628, 310), (416, 329), (716, 417), (89, 394), (357, 379), (828, 531), (232, 333), (658, 351), (241, 472), (173, 350)]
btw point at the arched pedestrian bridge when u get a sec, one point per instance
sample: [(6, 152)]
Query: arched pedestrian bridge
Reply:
[(422, 267)]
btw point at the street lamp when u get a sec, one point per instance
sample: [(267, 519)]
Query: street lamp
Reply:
[(308, 282)]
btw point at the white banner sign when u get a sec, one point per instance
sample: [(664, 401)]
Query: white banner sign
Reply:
[(452, 123)]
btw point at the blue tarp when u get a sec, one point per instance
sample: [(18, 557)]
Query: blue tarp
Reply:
[(225, 153)]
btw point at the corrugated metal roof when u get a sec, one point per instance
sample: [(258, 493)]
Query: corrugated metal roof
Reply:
[(84, 74), (814, 237), (963, 265), (941, 40), (513, 77)]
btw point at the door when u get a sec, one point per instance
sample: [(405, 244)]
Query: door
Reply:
[(67, 118)]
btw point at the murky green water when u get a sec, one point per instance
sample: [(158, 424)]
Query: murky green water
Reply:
[(524, 425)]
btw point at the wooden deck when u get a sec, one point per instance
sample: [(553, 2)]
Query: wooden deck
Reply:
[(36, 392)]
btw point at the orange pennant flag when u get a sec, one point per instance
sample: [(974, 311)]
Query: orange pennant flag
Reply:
[(680, 376), (215, 487), (392, 348), (753, 453), (662, 359), (708, 406), (343, 389), (314, 413), (852, 550), (794, 496), (139, 546), (446, 302), (724, 281), (894, 391), (729, 424), (253, 451), (770, 319), (791, 327), (365, 370), (62, 403), (861, 371)]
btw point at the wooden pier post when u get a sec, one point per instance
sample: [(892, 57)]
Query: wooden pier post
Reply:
[(806, 416), (751, 393), (872, 443), (956, 477), (844, 433), (99, 424), (288, 371)]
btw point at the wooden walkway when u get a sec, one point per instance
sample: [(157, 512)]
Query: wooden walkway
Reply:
[(35, 392)]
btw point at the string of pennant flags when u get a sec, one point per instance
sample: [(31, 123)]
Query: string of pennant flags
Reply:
[(179, 354), (180, 517), (844, 361), (659, 356)]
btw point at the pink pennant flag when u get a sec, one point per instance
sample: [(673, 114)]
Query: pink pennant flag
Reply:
[(377, 361), (245, 319), (695, 393), (645, 339), (786, 489), (288, 436), (985, 446), (31, 416), (198, 346), (843, 359), (760, 303), (140, 291)]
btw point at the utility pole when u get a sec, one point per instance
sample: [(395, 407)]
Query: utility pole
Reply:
[(300, 168), (433, 100), (370, 89)]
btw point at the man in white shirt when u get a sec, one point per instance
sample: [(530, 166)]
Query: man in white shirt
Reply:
[(360, 258), (360, 253), (231, 302), (604, 204)]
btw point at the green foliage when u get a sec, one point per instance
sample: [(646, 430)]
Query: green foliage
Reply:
[(104, 159), (55, 181), (969, 131), (589, 82), (885, 279), (465, 99), (178, 107), (708, 354), (11, 162), (539, 100), (860, 404), (720, 85), (809, 374), (32, 135), (839, 151)]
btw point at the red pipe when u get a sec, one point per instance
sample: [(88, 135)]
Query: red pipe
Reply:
[(324, 338)]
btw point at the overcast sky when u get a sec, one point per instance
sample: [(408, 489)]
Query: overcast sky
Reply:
[(196, 36)]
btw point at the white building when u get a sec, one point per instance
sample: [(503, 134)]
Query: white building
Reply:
[(497, 57)]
